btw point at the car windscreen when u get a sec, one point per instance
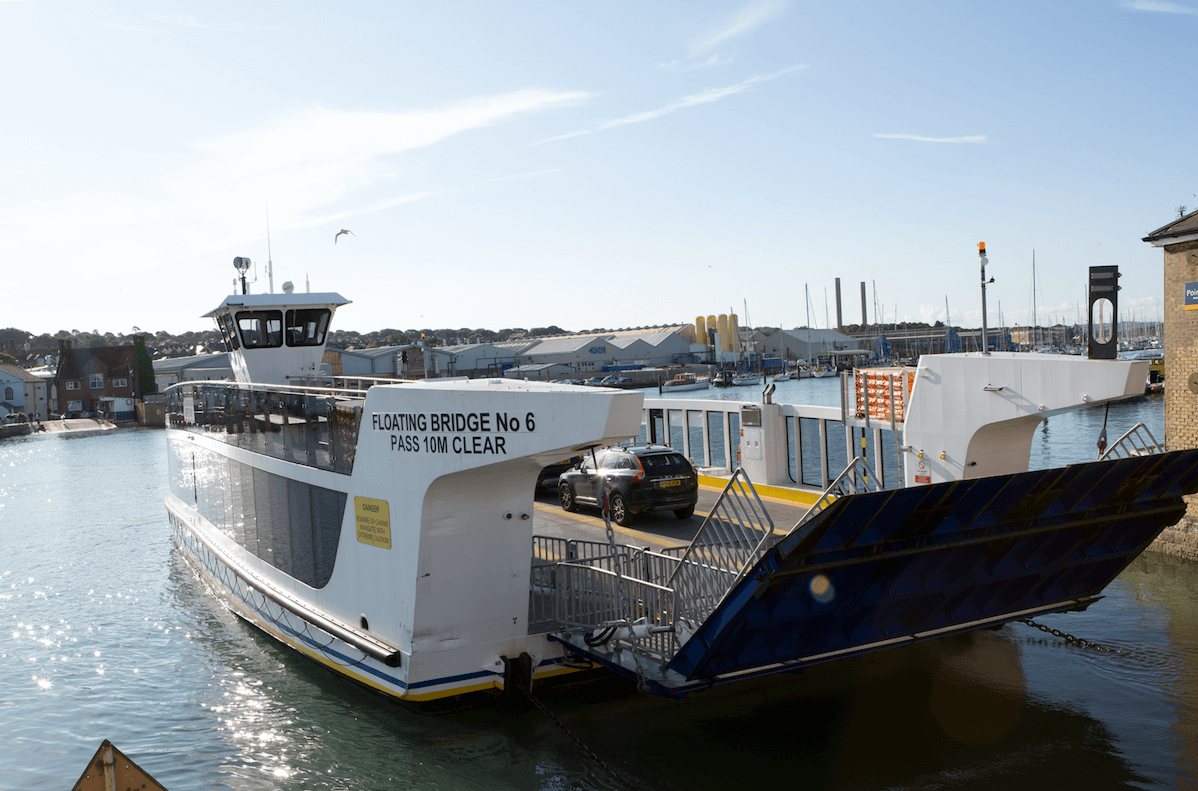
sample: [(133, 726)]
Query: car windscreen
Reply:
[(665, 464)]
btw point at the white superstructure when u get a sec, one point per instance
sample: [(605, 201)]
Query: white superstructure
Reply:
[(384, 533)]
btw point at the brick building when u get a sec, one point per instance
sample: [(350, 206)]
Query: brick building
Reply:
[(1180, 242), (101, 380)]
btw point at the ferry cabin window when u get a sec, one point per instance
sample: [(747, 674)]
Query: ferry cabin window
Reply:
[(228, 332), (260, 329), (307, 327)]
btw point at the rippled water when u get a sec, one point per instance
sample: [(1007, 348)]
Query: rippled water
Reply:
[(105, 633)]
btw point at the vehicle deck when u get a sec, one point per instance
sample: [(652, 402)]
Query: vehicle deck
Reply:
[(657, 530)]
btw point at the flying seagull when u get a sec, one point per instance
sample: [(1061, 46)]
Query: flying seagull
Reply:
[(343, 230)]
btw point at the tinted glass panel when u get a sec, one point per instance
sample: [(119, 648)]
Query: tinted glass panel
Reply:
[(293, 526), (666, 464), (260, 329), (307, 327)]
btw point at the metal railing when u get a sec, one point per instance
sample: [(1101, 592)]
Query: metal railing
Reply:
[(856, 479), (588, 599), (1138, 441), (732, 538), (316, 427)]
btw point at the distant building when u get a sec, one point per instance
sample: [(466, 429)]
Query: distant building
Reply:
[(1056, 336), (21, 391), (552, 356), (100, 380), (172, 370), (804, 344)]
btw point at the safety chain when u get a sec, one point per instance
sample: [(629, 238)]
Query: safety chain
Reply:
[(570, 735), (1068, 638)]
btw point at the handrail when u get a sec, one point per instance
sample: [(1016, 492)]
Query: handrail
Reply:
[(857, 478), (263, 388), (1133, 443), (733, 537)]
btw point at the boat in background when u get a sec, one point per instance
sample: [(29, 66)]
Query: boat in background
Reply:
[(684, 381), (740, 380), (822, 372)]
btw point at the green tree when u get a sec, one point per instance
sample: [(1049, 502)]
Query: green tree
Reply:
[(145, 368)]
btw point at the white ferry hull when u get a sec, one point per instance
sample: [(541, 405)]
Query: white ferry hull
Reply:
[(432, 611)]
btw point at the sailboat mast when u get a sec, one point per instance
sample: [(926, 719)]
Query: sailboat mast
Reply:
[(1035, 321)]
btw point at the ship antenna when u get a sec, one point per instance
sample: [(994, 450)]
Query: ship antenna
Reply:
[(270, 269)]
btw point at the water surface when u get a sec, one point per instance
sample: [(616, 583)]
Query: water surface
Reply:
[(105, 633)]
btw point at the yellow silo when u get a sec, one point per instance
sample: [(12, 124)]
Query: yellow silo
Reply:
[(700, 329), (733, 333), (722, 326)]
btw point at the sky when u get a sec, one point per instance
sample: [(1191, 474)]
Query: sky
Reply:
[(588, 165)]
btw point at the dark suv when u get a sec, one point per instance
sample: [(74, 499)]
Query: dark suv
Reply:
[(639, 478)]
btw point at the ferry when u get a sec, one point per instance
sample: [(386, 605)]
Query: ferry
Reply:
[(387, 533)]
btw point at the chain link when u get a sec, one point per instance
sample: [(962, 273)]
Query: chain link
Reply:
[(587, 751), (1068, 638)]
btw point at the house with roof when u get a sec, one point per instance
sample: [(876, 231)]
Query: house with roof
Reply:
[(21, 391), (99, 380)]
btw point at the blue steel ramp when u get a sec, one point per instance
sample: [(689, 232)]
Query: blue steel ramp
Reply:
[(883, 569)]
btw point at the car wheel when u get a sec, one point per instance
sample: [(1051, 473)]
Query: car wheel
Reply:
[(619, 510), (685, 513), (565, 496)]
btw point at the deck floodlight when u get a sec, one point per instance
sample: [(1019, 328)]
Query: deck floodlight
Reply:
[(242, 265)]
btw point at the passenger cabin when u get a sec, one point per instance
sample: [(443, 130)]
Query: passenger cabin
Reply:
[(272, 338)]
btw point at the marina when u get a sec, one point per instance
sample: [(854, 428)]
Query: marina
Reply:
[(161, 669), (392, 541)]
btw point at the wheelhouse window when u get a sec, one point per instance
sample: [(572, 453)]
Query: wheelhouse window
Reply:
[(228, 332), (260, 329), (95, 381), (307, 327)]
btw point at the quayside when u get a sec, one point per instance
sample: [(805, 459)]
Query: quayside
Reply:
[(386, 531)]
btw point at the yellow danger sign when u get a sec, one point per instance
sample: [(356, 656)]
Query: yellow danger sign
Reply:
[(373, 520)]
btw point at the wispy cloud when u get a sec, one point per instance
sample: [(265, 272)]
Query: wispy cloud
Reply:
[(703, 97), (179, 20), (690, 64), (922, 139), (314, 165), (125, 27), (1161, 7), (748, 18)]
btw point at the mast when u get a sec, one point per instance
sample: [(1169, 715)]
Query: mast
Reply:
[(827, 320), (270, 269), (807, 291), (1035, 321)]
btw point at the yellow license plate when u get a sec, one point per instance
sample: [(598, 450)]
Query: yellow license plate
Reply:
[(669, 483)]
